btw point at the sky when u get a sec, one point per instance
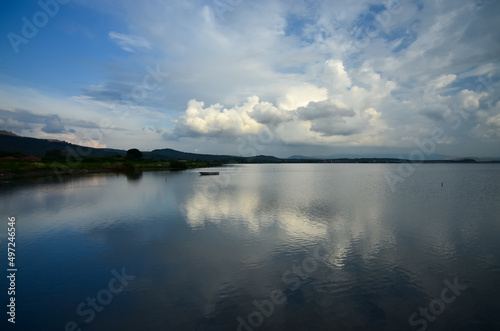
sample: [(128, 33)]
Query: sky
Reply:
[(246, 77)]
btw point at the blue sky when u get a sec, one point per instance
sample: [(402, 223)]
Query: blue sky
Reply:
[(314, 77)]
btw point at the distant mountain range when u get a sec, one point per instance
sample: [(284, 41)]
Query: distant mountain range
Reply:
[(172, 154), (432, 157), (366, 156), (12, 145)]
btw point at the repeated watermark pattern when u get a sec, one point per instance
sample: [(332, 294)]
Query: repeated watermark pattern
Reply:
[(295, 276), (75, 155), (30, 27), (437, 306), (92, 305), (149, 84), (222, 6), (426, 147), (249, 148), (293, 279), (368, 31)]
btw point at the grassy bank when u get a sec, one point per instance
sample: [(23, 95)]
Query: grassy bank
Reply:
[(19, 167)]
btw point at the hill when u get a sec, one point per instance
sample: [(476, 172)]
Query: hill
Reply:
[(17, 146), (38, 147), (301, 157), (8, 133), (432, 157), (172, 154), (14, 145)]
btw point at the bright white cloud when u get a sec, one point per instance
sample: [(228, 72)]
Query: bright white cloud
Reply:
[(300, 96), (337, 73)]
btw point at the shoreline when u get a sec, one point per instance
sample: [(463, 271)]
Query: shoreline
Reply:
[(6, 176), (45, 173)]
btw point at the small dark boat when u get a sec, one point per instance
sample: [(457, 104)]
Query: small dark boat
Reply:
[(208, 173)]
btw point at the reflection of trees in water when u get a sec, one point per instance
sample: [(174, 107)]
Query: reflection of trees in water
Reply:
[(133, 176)]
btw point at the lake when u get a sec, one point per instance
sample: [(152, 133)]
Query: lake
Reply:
[(259, 247)]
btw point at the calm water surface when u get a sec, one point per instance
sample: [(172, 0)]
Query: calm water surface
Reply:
[(260, 247)]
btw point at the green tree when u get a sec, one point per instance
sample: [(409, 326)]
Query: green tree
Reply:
[(134, 154), (177, 165), (53, 154)]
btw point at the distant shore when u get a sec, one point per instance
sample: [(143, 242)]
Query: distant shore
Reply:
[(21, 168), (18, 168)]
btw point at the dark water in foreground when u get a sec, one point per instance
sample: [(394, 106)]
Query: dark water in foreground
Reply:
[(261, 247)]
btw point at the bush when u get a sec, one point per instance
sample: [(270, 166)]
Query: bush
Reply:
[(54, 154), (177, 165), (134, 154)]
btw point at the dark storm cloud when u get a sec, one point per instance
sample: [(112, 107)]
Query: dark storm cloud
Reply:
[(53, 124)]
